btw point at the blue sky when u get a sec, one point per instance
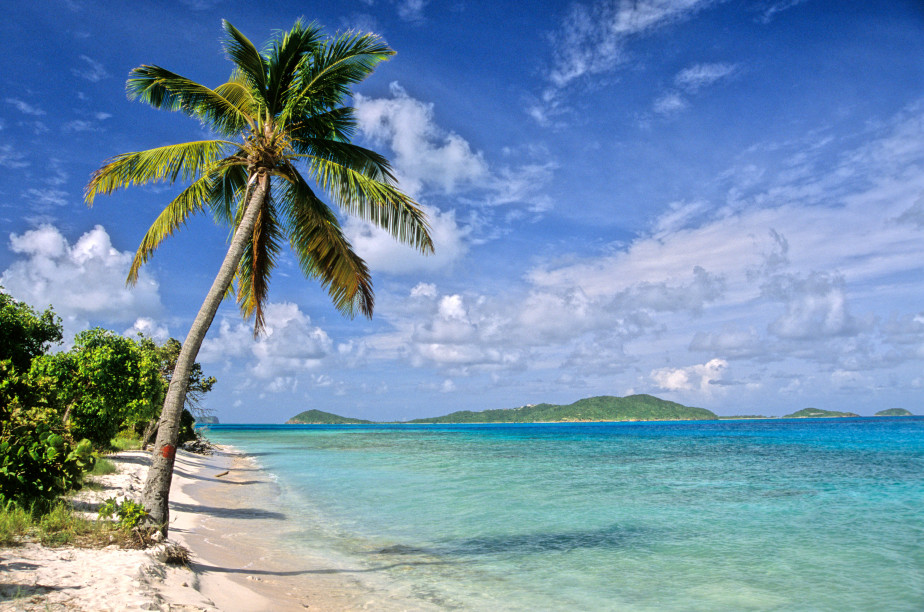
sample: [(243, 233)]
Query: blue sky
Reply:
[(718, 203)]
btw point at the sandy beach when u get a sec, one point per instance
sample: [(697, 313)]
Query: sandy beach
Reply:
[(214, 512)]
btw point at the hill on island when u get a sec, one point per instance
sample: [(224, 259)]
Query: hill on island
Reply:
[(893, 412), (603, 408), (818, 413), (319, 417)]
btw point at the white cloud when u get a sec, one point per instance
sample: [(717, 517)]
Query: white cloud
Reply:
[(84, 281), (669, 104), (44, 199), (290, 346), (385, 254), (693, 378), (25, 108), (431, 162), (816, 306), (592, 38), (698, 76), (149, 328), (426, 156), (12, 159), (91, 70), (778, 7), (412, 10)]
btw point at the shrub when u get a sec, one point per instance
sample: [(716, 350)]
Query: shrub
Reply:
[(131, 513), (39, 460)]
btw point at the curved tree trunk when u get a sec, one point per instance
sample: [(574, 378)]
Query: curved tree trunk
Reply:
[(157, 486)]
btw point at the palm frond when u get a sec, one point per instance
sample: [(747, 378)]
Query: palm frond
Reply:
[(246, 57), (337, 124), (323, 251), (256, 265), (354, 157), (378, 202), (167, 90), (188, 160), (326, 76), (284, 58), (227, 192), (239, 94), (191, 201)]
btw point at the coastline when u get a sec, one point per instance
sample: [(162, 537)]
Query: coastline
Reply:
[(221, 510)]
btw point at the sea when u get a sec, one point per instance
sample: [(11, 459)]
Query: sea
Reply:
[(770, 514)]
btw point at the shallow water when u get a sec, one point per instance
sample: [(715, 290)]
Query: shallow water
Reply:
[(823, 514)]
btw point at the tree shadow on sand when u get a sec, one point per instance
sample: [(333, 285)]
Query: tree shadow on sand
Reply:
[(231, 513)]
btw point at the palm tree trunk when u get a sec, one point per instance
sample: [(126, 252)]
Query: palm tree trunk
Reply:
[(157, 486)]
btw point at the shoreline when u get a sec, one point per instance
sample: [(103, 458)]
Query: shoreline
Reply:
[(221, 510)]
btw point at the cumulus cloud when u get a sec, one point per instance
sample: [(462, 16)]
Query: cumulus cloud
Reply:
[(426, 156), (290, 346), (431, 162), (84, 281), (693, 378), (782, 281), (816, 306), (385, 254), (149, 328)]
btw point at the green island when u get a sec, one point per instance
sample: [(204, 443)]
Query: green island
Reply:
[(593, 409), (892, 412), (818, 413), (319, 417)]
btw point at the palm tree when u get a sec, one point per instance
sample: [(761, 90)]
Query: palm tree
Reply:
[(283, 131)]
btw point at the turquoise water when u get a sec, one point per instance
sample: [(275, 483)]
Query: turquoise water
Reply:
[(820, 514)]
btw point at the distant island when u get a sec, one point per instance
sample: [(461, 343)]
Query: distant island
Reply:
[(603, 408), (594, 409), (818, 413), (319, 417), (207, 420), (893, 412)]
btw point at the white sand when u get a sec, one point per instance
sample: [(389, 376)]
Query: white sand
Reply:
[(34, 577), (222, 524)]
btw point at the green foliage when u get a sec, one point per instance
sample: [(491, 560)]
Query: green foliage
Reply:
[(24, 333), (603, 408), (39, 459), (319, 417), (131, 513), (104, 381), (198, 384), (818, 413)]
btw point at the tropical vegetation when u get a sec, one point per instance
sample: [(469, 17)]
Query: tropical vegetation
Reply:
[(283, 133), (59, 411)]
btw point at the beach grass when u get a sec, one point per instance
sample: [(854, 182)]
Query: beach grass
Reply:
[(124, 443), (59, 525), (103, 467)]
